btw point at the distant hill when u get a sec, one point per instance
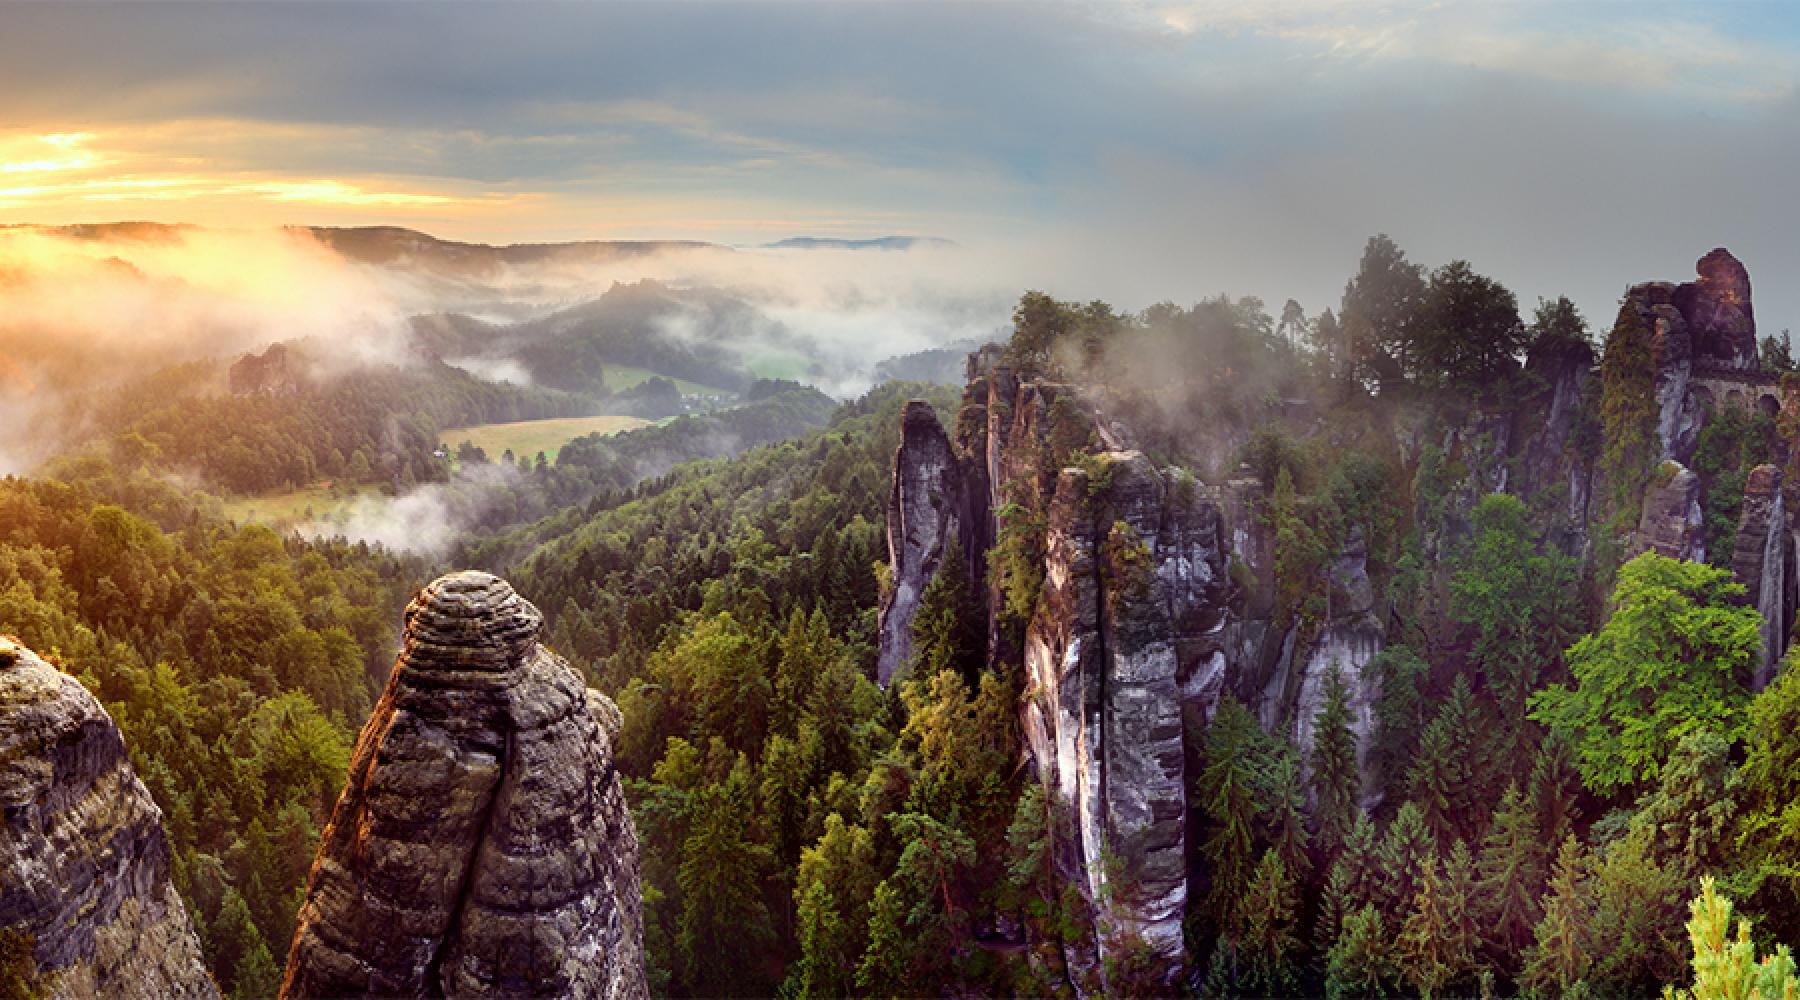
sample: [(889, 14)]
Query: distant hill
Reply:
[(877, 243)]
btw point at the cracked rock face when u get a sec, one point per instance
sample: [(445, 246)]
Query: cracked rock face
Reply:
[(1132, 576), (482, 845), (86, 862), (1671, 524), (926, 510), (1761, 562)]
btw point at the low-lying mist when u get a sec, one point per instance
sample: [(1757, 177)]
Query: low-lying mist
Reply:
[(85, 307)]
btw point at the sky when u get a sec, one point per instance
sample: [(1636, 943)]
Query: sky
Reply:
[(1136, 151)]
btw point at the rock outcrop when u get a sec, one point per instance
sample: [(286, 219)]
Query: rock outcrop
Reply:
[(1762, 561), (1671, 524), (85, 858), (482, 845), (1703, 325), (274, 372), (1134, 572), (1351, 639), (928, 515)]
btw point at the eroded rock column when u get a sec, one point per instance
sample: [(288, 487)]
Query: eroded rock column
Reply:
[(482, 845)]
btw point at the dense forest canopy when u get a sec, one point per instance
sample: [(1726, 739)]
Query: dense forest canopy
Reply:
[(1568, 744)]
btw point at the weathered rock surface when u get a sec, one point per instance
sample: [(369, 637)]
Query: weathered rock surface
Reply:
[(1134, 573), (482, 845), (1347, 644), (1671, 523), (1762, 562), (85, 859), (1699, 326), (927, 510)]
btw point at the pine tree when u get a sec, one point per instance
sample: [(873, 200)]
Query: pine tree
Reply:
[(1552, 791), (1427, 950), (1336, 780), (1354, 881), (1361, 958), (1727, 968), (1444, 777), (886, 964), (1227, 795), (723, 916), (1405, 850), (1511, 872), (822, 970), (1459, 910), (1563, 951), (1270, 913)]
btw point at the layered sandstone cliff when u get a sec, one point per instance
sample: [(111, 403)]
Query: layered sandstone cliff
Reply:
[(482, 845), (85, 859)]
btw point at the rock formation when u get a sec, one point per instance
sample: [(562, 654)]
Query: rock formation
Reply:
[(1695, 326), (271, 373), (1762, 561), (482, 845), (1671, 524), (927, 511), (85, 858), (1134, 571), (1349, 642)]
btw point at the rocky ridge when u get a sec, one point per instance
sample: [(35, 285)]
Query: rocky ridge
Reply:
[(482, 845), (82, 846)]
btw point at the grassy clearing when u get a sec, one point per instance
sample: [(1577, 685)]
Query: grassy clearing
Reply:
[(620, 377), (528, 437), (284, 510)]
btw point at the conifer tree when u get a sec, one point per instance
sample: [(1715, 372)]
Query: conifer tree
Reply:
[(1552, 791), (1459, 908), (887, 962), (1354, 881), (1428, 956), (1727, 968), (1361, 959), (1270, 913), (1444, 777), (1564, 949), (1336, 780), (1227, 794), (1510, 876), (1405, 850)]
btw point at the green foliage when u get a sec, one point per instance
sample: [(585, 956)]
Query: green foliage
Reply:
[(1770, 831), (1563, 951), (1447, 775), (1269, 944), (1381, 313), (1301, 549), (1728, 968), (1361, 961), (1628, 408), (1468, 330), (1731, 442), (1673, 659), (1017, 560), (1434, 949), (1336, 779), (725, 918), (1400, 715), (1520, 608), (1512, 868), (1406, 850)]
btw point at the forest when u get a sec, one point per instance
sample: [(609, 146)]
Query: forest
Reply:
[(1574, 779)]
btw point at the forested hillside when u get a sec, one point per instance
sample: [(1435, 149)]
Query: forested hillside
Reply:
[(1401, 650)]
